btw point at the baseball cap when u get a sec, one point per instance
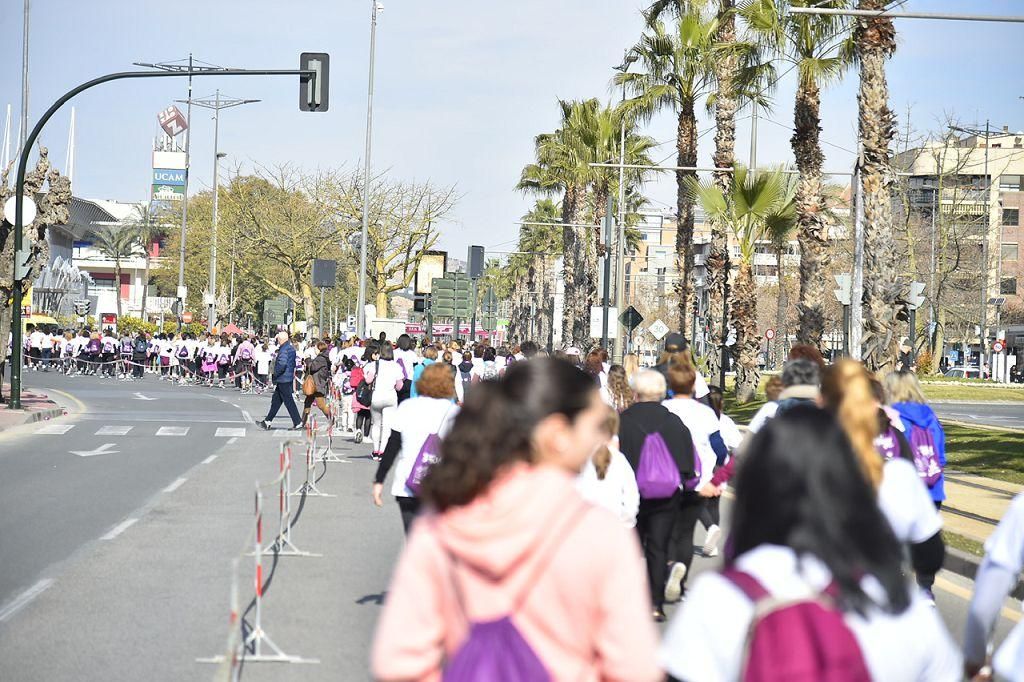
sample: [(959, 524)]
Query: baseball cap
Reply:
[(573, 350), (675, 341)]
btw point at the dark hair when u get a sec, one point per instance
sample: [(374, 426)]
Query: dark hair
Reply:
[(716, 399), (801, 486), (528, 349), (371, 349), (495, 426), (801, 372), (404, 342), (387, 351), (594, 364), (490, 354)]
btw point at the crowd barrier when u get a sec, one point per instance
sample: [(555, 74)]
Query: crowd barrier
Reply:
[(247, 640)]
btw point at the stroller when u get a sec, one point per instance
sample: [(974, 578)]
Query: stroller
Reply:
[(362, 412)]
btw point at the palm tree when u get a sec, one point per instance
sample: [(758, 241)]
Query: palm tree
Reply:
[(755, 206), (118, 243), (146, 222), (589, 133), (676, 70), (875, 40), (821, 49)]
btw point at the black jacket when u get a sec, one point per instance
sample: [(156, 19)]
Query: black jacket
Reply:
[(642, 419), (320, 369)]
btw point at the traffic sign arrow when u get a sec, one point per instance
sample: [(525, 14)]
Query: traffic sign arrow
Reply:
[(101, 450)]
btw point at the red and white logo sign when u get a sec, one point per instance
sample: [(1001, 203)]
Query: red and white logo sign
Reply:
[(172, 120), (998, 346), (186, 318), (769, 334)]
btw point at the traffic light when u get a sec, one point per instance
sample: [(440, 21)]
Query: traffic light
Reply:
[(82, 307), (916, 299), (313, 88)]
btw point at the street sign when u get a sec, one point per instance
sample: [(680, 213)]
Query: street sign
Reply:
[(658, 329), (631, 318), (916, 299), (597, 321), (28, 210), (186, 318), (998, 347), (451, 296), (769, 334)]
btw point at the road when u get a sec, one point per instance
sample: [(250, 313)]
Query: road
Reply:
[(1008, 415), (133, 440), (151, 599)]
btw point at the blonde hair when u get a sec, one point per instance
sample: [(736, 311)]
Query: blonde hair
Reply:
[(903, 387), (846, 391), (603, 457), (631, 363)]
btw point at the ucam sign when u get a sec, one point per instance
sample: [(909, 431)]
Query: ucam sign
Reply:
[(169, 176)]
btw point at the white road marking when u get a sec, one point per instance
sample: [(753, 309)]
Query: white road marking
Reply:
[(114, 431), (118, 529), (172, 431), (248, 417), (209, 459), (101, 450), (227, 432), (174, 486), (139, 396), (232, 441), (54, 429), (23, 599)]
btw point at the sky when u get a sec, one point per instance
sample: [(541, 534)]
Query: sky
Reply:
[(461, 89)]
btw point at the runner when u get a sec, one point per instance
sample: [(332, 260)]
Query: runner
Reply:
[(794, 536), (513, 549), (429, 358), (922, 428), (710, 515), (407, 359), (387, 378), (616, 391), (418, 424)]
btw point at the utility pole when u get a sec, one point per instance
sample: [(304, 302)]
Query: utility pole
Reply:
[(620, 242), (216, 103), (753, 136), (361, 296), (24, 80)]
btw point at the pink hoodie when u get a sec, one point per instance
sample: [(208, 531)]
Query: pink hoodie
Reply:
[(587, 615)]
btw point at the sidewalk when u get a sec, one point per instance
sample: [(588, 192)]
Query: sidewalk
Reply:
[(151, 622), (35, 406)]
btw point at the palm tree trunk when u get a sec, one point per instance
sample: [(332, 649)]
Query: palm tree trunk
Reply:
[(724, 157), (686, 146), (781, 312), (810, 207), (572, 265), (876, 41), (117, 285), (744, 308), (145, 285)]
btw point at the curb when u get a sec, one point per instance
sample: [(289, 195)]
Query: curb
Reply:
[(966, 565), (35, 416)]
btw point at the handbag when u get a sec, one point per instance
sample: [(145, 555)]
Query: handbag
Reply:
[(308, 385)]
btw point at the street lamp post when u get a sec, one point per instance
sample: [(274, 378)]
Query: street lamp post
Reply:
[(620, 241), (216, 103), (361, 296)]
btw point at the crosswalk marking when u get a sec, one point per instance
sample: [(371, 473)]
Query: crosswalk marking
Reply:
[(54, 429), (114, 431), (228, 432), (172, 431)]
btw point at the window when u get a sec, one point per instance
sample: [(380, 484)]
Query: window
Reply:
[(1009, 252), (1011, 216), (1008, 286), (1009, 183), (103, 283)]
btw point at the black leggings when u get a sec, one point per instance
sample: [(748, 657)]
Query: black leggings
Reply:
[(680, 548), (654, 526), (410, 509), (709, 513)]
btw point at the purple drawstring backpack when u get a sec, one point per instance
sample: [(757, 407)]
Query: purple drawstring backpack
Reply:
[(657, 476), (888, 444), (429, 454), (495, 650), (797, 640), (926, 459)]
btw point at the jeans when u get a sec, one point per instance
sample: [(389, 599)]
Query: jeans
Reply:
[(654, 525), (138, 366), (283, 395), (47, 354)]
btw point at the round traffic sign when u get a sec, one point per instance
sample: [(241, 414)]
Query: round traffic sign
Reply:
[(28, 210), (186, 318), (998, 346), (769, 334)]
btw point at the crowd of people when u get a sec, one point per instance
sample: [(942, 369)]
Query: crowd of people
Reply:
[(551, 503)]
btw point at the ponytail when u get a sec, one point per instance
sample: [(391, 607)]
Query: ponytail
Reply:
[(846, 388), (603, 457)]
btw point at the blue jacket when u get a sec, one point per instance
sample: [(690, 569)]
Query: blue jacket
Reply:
[(284, 366), (417, 373), (919, 414)]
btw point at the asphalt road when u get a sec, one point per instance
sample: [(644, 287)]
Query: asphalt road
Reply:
[(1008, 415), (133, 440), (148, 601)]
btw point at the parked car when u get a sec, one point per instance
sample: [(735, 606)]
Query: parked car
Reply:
[(965, 373)]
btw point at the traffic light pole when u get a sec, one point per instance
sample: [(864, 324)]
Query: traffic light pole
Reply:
[(20, 271), (472, 323)]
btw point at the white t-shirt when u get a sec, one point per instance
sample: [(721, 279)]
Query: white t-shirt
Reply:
[(390, 374), (762, 416), (731, 435), (1005, 548), (262, 358), (417, 418), (46, 343), (617, 492), (706, 638), (702, 421), (700, 387), (905, 502), (35, 339), (408, 361)]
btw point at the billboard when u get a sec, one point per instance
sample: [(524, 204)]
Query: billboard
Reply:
[(172, 121), (168, 179), (432, 264)]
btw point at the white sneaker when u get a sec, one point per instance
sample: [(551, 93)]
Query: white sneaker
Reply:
[(710, 548), (674, 584)]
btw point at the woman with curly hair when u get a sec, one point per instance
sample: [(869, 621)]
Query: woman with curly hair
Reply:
[(616, 392)]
